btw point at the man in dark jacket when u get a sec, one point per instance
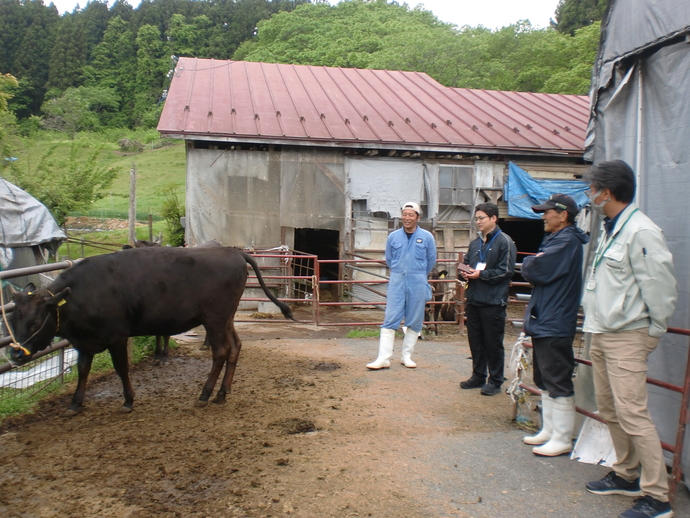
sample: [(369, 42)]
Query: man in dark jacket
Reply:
[(492, 260), (551, 318)]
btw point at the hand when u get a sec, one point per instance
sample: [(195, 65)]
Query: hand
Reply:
[(474, 275)]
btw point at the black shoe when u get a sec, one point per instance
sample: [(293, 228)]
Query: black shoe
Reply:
[(490, 389), (612, 484), (648, 507), (472, 383)]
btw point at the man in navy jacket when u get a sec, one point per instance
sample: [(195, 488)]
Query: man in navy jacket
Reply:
[(551, 318), (491, 257)]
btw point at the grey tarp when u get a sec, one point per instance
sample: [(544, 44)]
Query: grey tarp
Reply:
[(24, 222), (641, 114)]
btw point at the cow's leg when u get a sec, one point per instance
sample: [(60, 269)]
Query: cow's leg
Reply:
[(161, 354), (83, 368), (121, 363), (220, 348), (230, 365)]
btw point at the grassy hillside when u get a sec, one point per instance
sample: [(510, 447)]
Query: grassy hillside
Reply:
[(160, 165)]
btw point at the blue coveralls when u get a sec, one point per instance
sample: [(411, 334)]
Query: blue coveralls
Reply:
[(410, 260)]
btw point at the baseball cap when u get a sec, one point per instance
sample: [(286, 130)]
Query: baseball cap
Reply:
[(558, 201), (412, 205)]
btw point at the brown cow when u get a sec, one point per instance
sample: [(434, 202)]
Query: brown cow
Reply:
[(101, 301)]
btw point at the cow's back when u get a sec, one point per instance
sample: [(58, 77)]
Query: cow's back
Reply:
[(154, 291)]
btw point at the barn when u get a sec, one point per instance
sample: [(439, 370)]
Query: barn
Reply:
[(321, 159)]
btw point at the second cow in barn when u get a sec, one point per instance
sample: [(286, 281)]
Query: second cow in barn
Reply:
[(101, 301), (443, 307)]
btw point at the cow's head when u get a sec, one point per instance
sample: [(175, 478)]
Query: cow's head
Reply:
[(34, 320)]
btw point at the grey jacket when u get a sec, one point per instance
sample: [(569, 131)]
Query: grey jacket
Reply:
[(631, 283)]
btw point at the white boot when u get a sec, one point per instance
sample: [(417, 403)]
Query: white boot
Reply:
[(385, 350), (546, 424), (409, 342), (563, 417)]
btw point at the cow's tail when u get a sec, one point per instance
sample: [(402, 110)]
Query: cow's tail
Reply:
[(284, 308)]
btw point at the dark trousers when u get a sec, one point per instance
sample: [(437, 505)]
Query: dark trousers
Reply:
[(485, 331), (553, 365)]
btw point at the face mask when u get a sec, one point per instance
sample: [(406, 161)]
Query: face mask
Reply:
[(597, 208)]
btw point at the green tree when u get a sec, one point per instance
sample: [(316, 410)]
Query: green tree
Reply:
[(114, 66), (78, 109), (172, 211), (152, 67), (66, 185), (68, 54), (30, 65), (8, 84), (575, 14)]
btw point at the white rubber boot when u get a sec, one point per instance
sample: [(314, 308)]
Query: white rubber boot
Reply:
[(546, 424), (563, 417), (409, 342), (385, 350)]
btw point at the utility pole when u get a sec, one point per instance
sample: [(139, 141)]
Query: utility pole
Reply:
[(133, 205)]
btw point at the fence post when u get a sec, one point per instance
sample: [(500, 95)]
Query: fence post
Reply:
[(133, 205), (61, 375)]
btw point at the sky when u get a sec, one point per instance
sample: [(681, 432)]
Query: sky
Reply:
[(492, 14)]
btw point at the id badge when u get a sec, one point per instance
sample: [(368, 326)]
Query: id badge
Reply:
[(480, 266), (591, 283)]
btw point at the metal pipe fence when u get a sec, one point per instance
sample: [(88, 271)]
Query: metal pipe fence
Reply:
[(684, 416)]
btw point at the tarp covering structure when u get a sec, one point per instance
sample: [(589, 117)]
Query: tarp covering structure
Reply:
[(522, 191), (24, 222), (641, 114)]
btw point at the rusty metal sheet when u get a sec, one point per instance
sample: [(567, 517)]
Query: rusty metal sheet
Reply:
[(370, 108)]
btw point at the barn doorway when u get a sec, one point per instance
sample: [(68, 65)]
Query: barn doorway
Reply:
[(321, 243), (527, 233)]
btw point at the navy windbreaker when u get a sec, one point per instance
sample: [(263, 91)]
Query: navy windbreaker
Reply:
[(556, 274)]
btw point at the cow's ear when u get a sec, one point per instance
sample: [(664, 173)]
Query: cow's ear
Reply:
[(29, 288), (59, 298), (14, 294)]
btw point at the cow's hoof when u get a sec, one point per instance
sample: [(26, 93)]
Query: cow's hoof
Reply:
[(201, 404), (69, 413), (124, 409), (218, 400), (156, 361)]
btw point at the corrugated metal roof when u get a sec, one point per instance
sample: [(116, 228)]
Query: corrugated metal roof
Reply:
[(267, 102)]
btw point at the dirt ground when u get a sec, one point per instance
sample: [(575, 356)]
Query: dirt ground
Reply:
[(307, 431)]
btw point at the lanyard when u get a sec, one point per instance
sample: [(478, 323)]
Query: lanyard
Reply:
[(481, 247), (600, 256)]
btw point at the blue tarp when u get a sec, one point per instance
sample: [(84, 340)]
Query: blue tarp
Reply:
[(522, 191)]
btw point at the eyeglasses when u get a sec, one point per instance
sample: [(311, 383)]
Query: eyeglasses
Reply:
[(590, 192), (479, 218)]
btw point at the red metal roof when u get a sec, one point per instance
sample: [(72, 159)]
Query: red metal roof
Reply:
[(273, 103)]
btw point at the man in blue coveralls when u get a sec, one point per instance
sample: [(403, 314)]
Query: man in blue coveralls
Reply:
[(410, 256)]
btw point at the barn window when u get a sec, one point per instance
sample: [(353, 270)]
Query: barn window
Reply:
[(455, 185)]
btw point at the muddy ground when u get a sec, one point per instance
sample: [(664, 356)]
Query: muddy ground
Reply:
[(307, 431)]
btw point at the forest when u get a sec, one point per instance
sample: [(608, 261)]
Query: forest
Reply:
[(108, 66)]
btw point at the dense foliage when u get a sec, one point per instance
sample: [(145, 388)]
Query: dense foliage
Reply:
[(121, 50), (376, 34), (572, 15)]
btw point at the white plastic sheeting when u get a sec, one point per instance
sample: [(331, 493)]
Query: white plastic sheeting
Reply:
[(386, 184)]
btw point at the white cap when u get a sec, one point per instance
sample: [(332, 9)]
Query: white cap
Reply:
[(412, 205)]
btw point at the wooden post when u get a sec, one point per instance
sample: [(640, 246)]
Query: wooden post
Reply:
[(151, 227), (133, 205), (64, 228)]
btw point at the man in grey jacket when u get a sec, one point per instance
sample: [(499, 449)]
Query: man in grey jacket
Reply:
[(630, 293)]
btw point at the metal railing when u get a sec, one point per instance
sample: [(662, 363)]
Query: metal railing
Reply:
[(683, 420)]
